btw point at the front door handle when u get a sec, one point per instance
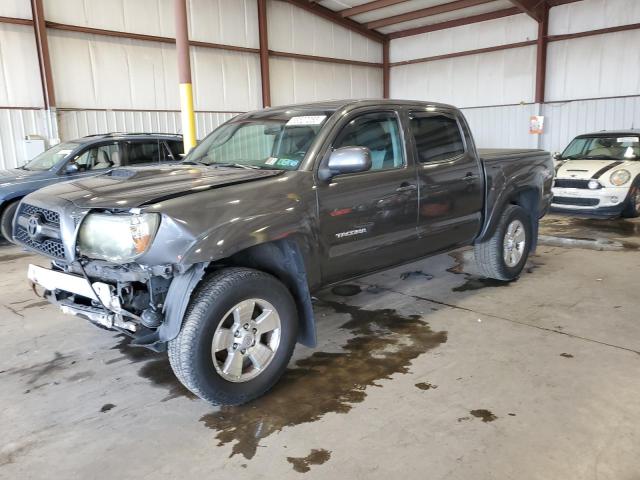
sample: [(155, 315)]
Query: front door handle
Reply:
[(469, 177), (406, 187)]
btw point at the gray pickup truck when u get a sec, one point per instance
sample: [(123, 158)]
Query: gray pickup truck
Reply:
[(215, 260)]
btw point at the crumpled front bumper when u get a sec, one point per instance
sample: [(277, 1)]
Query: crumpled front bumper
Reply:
[(54, 282)]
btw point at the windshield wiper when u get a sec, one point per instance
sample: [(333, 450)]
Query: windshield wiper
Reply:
[(599, 157), (235, 165)]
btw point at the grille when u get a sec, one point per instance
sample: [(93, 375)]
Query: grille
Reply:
[(51, 247), (570, 183), (580, 202), (49, 215)]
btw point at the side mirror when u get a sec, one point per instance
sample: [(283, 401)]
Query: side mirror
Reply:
[(346, 160), (71, 168), (557, 155)]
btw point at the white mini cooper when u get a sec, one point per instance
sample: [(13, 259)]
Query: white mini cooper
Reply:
[(598, 174)]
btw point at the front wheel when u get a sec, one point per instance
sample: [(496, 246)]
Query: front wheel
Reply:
[(632, 208), (238, 335), (504, 255), (6, 220)]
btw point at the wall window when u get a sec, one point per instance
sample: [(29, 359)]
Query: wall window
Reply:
[(437, 138), (380, 133)]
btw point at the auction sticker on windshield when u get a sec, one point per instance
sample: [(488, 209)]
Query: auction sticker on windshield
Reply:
[(306, 120), (627, 140)]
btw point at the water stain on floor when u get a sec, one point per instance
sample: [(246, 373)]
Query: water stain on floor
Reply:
[(40, 371), (156, 368), (346, 290), (485, 415), (106, 407), (425, 386), (478, 283), (566, 355), (416, 274), (316, 457), (384, 344), (592, 227)]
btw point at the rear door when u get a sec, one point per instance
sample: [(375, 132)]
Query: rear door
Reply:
[(450, 180), (368, 219)]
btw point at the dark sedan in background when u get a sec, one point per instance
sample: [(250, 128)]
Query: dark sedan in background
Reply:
[(85, 156)]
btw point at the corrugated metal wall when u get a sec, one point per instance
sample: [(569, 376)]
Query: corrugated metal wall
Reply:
[(581, 74), (107, 83)]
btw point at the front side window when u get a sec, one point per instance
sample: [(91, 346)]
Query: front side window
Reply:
[(49, 158), (266, 140), (98, 158), (380, 133), (603, 148), (437, 138)]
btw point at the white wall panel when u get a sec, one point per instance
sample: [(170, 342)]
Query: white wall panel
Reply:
[(513, 29), (150, 17), (14, 126), (502, 127), (78, 123), (592, 15), (92, 71), (19, 72), (15, 8), (292, 29), (501, 77), (294, 81), (230, 22), (598, 66), (224, 80)]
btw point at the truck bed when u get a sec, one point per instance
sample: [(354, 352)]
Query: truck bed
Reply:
[(489, 154)]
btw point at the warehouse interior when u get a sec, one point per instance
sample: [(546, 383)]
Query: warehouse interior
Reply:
[(427, 369)]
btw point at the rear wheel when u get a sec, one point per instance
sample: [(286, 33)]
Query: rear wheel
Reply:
[(632, 208), (238, 335), (6, 220), (504, 255)]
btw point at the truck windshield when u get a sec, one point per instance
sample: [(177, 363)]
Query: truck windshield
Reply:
[(278, 141), (603, 148), (49, 158)]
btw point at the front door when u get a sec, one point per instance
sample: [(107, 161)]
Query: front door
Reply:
[(450, 181), (368, 219)]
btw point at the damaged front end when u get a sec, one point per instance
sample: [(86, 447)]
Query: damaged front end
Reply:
[(147, 302)]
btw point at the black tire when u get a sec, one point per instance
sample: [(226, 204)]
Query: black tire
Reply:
[(632, 205), (489, 254), (190, 352), (6, 220)]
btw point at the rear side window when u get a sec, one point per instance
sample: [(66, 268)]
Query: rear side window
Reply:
[(146, 152), (437, 138), (177, 149)]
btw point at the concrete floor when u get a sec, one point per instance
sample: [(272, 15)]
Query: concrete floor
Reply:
[(465, 379)]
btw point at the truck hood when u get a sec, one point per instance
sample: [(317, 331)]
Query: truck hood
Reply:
[(586, 169), (134, 187)]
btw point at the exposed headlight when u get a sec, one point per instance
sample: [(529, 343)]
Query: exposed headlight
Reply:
[(593, 184), (118, 238), (620, 177)]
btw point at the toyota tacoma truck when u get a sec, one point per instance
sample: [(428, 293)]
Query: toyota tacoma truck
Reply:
[(215, 259)]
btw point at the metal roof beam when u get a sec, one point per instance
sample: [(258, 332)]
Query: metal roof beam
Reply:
[(534, 8), (369, 7)]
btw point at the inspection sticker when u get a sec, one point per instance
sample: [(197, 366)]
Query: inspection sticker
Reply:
[(306, 120), (270, 161)]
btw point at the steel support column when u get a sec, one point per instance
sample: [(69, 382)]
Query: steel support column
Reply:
[(541, 56), (264, 53), (184, 75), (386, 70)]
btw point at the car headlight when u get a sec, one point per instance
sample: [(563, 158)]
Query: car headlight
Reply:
[(620, 177), (118, 238)]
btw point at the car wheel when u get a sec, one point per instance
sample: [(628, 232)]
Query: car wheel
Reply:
[(632, 208), (6, 220), (237, 337), (504, 255)]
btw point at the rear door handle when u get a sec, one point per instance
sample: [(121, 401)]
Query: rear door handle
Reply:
[(406, 187)]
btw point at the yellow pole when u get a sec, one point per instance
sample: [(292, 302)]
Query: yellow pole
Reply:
[(184, 75)]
